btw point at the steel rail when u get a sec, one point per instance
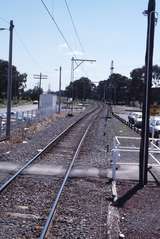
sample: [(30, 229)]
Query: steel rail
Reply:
[(51, 144), (52, 212), (3, 139)]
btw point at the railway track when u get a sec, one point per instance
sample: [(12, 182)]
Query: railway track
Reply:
[(29, 201)]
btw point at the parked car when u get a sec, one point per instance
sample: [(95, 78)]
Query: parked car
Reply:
[(35, 102), (134, 117), (154, 126), (138, 120), (131, 117)]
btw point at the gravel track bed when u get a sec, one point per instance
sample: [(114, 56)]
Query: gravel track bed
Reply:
[(82, 211), (22, 214), (30, 198), (21, 153), (62, 153)]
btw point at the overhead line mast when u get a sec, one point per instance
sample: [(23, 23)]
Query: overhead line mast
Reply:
[(112, 67)]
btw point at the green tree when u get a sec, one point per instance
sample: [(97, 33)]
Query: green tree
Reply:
[(137, 84), (32, 94), (115, 89), (18, 80), (80, 89)]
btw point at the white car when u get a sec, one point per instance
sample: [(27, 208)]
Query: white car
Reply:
[(154, 126), (135, 117), (131, 117), (138, 120)]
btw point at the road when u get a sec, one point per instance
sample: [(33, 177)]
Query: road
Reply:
[(25, 107)]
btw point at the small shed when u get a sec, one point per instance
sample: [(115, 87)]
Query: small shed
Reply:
[(48, 101)]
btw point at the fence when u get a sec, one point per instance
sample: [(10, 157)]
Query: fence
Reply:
[(125, 153), (23, 118)]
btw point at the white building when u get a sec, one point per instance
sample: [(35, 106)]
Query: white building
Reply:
[(48, 101)]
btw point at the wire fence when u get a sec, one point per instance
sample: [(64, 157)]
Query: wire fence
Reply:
[(125, 156), (22, 119)]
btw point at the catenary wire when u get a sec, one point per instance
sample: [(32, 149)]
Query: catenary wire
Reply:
[(58, 28), (74, 26)]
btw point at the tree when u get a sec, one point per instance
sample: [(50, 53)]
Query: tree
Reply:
[(115, 89), (18, 80), (80, 89), (137, 84), (32, 94)]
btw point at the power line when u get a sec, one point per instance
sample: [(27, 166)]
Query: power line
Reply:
[(27, 50), (74, 26), (4, 20), (58, 28)]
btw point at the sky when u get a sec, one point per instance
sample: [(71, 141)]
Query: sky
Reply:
[(108, 30)]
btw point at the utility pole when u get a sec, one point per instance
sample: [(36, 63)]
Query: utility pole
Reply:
[(143, 157), (112, 67), (40, 77), (112, 88), (9, 86), (59, 95), (109, 90)]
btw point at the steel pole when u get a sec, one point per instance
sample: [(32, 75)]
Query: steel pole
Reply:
[(59, 95), (143, 164), (72, 80), (9, 85)]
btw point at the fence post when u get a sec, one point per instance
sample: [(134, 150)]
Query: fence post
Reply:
[(0, 124)]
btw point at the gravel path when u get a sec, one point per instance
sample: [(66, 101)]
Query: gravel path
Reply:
[(140, 215)]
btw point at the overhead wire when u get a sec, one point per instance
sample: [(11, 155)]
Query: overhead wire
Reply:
[(74, 26), (58, 28), (22, 43), (27, 50), (75, 31), (4, 20)]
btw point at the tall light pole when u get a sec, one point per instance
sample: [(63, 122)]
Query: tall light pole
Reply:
[(143, 157), (9, 85)]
